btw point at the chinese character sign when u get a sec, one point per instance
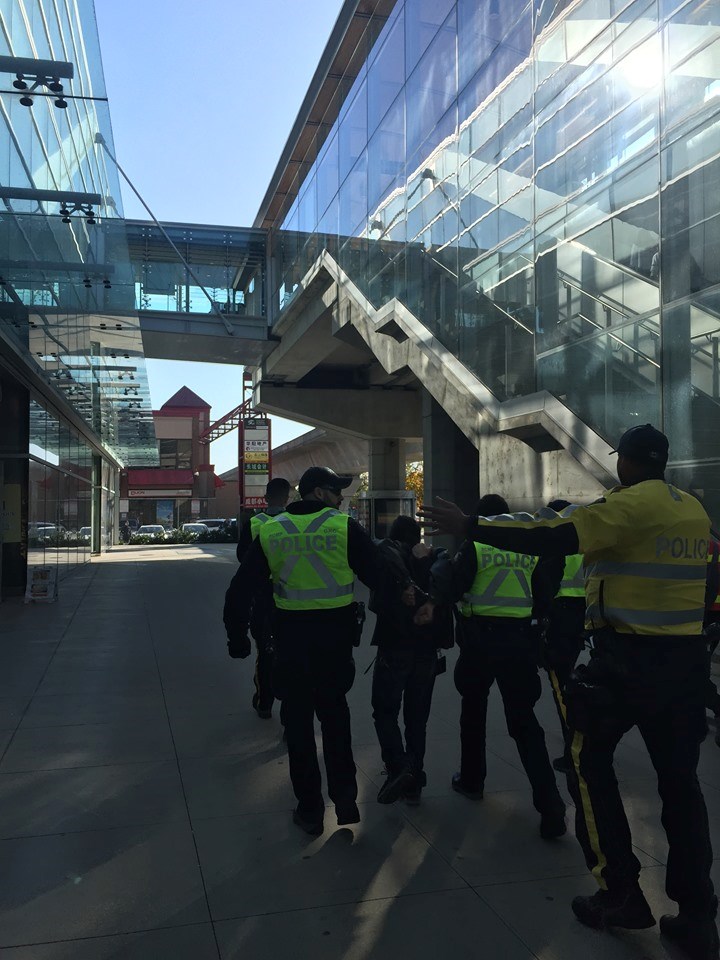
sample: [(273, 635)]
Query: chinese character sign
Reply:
[(255, 461)]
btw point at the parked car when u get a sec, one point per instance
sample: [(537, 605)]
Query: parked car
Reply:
[(214, 524), (47, 532), (154, 530), (84, 534), (195, 528)]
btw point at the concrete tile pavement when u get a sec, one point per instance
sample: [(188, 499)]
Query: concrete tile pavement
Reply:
[(145, 809)]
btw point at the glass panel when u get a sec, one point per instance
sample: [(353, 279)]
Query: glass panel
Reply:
[(423, 19), (432, 86), (327, 176), (386, 74), (307, 207), (493, 37), (353, 199), (386, 153), (620, 383), (353, 133)]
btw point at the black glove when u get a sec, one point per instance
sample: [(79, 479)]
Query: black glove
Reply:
[(239, 646)]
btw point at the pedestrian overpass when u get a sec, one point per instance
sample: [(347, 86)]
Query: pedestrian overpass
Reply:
[(200, 291)]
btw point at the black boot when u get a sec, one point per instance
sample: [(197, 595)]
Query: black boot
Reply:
[(698, 939), (614, 908), (310, 824), (398, 780), (347, 812), (459, 787)]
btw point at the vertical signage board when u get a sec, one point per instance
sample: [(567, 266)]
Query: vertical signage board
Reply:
[(255, 461)]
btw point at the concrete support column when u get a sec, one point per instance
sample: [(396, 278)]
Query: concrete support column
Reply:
[(386, 464), (451, 466)]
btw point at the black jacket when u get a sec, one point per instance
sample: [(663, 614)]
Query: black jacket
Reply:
[(394, 626)]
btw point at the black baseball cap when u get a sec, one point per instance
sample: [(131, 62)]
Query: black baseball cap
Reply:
[(322, 477), (645, 444)]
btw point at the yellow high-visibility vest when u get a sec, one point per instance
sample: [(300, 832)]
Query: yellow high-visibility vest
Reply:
[(502, 584), (257, 522), (652, 580), (307, 556), (573, 581)]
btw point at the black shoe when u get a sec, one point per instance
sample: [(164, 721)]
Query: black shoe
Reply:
[(413, 793), (264, 713), (347, 813), (398, 780), (562, 765), (552, 825), (698, 939), (614, 908), (314, 827), (459, 787)]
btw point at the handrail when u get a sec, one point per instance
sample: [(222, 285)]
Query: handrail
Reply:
[(226, 424)]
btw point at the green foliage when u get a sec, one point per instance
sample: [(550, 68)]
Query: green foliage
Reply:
[(178, 537), (414, 481)]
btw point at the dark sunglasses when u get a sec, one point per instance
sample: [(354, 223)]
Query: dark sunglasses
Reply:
[(338, 493)]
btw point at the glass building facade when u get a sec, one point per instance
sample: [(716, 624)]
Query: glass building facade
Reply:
[(67, 294), (75, 403), (539, 183)]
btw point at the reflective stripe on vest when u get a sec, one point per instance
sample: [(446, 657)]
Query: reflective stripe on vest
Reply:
[(307, 556), (502, 584), (651, 583), (257, 522), (573, 581)]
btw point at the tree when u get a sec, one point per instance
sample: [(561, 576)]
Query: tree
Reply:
[(414, 481)]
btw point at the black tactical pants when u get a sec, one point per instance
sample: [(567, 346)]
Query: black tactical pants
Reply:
[(503, 653), (659, 687), (263, 698), (563, 645), (312, 677), (402, 675)]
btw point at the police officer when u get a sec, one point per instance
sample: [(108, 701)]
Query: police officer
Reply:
[(312, 553), (565, 636), (501, 592), (277, 493), (645, 549)]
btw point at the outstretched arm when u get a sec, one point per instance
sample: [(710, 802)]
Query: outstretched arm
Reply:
[(537, 538)]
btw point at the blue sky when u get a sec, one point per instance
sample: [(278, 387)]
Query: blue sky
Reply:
[(202, 99)]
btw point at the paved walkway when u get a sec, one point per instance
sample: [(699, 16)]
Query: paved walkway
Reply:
[(145, 810)]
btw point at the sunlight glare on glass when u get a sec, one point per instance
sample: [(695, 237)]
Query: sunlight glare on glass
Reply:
[(643, 66)]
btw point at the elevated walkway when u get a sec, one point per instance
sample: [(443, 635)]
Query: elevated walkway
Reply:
[(145, 810), (200, 291)]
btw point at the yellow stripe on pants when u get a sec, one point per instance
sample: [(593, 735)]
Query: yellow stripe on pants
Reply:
[(588, 813), (558, 693)]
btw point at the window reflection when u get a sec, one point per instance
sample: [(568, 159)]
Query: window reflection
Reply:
[(543, 198), (59, 493)]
